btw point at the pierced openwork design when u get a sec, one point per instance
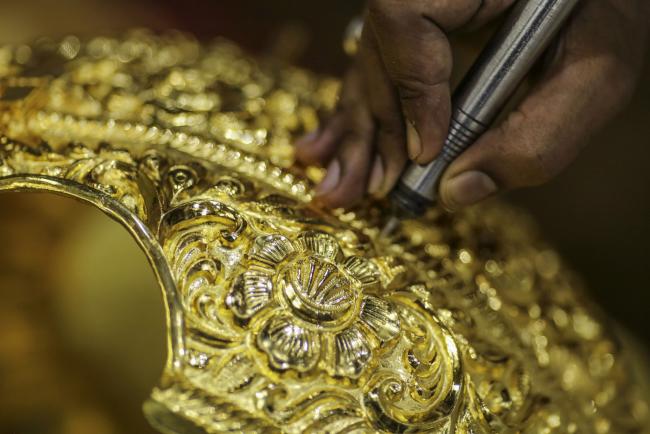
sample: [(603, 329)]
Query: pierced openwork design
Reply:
[(283, 317)]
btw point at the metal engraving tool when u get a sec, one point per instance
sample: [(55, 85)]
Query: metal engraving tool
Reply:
[(493, 78)]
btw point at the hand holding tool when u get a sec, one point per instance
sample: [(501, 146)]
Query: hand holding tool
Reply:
[(481, 95)]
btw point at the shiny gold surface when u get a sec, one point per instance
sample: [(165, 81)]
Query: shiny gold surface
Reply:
[(283, 317)]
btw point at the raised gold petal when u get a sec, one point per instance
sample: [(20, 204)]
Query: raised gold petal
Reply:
[(249, 294), (380, 317), (318, 290), (321, 282), (320, 244), (362, 270), (288, 345), (270, 250), (352, 353)]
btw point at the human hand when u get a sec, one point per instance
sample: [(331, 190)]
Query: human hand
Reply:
[(395, 101)]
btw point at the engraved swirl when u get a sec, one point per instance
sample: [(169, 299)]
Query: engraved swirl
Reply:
[(299, 320)]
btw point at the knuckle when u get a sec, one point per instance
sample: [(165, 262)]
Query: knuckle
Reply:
[(412, 86), (357, 136), (391, 143), (391, 131), (357, 130)]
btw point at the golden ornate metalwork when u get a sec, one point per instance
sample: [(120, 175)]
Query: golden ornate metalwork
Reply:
[(283, 317)]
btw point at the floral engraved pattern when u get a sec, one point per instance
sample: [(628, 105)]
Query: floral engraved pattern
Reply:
[(458, 323), (316, 304)]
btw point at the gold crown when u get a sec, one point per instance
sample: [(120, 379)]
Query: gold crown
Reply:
[(283, 317)]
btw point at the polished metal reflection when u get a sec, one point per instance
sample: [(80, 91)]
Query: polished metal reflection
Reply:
[(288, 318)]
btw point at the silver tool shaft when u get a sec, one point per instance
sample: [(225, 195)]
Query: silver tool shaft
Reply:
[(477, 101)]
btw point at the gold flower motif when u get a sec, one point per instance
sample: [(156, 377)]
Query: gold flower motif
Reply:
[(313, 305)]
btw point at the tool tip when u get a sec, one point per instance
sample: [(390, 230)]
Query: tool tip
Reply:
[(389, 227)]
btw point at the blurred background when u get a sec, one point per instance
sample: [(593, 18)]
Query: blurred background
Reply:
[(72, 293)]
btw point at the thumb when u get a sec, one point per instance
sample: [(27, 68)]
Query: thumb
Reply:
[(587, 86)]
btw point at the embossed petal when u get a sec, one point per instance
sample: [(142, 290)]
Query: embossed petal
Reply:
[(249, 294), (352, 352), (288, 345), (320, 244), (271, 249), (380, 317), (362, 270), (318, 289)]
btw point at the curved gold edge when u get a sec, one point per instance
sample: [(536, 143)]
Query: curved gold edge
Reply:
[(138, 230), (55, 128), (181, 408), (163, 419)]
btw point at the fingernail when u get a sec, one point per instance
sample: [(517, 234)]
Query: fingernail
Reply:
[(467, 188), (376, 176), (331, 179), (310, 137), (413, 143)]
